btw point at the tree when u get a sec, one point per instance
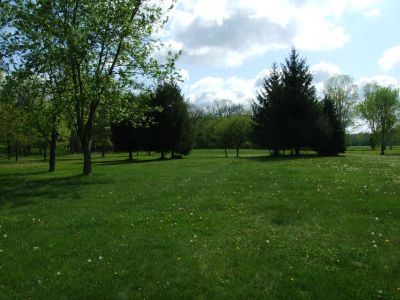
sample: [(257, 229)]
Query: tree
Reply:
[(223, 131), (126, 137), (379, 109), (286, 111), (101, 47), (267, 128), (41, 109), (15, 128), (171, 131), (333, 138), (233, 131), (299, 110), (344, 93), (226, 108), (102, 131)]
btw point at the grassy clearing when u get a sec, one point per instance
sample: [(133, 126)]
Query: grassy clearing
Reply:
[(202, 227)]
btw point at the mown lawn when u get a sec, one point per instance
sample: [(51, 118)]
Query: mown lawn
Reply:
[(203, 227)]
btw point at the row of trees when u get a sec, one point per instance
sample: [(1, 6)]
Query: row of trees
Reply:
[(175, 126), (168, 127), (288, 116)]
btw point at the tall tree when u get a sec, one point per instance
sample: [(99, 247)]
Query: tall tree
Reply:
[(344, 93), (267, 126), (103, 46), (380, 108), (299, 109), (286, 112), (332, 139), (171, 129)]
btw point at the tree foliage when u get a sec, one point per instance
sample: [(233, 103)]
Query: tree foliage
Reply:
[(95, 48), (343, 92), (286, 111), (172, 129), (332, 140), (380, 108), (233, 131)]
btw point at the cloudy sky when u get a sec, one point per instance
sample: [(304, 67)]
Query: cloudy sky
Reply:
[(228, 45)]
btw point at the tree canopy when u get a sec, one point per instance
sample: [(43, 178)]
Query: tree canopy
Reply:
[(94, 48), (286, 110), (380, 108)]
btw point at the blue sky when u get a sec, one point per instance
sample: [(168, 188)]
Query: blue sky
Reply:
[(229, 45)]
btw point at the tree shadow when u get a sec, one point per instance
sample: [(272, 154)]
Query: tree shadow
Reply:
[(387, 153), (267, 158), (21, 189), (128, 161)]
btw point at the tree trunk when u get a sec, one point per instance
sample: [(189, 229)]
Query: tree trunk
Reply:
[(45, 151), (103, 154), (162, 155), (226, 152), (297, 151), (383, 144), (16, 151), (8, 151), (87, 154), (130, 155), (237, 152), (53, 145), (172, 155)]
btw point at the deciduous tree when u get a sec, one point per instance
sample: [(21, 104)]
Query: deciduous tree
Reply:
[(380, 108), (344, 93)]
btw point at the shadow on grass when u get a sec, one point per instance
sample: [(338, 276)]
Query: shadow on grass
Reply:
[(20, 189), (271, 158), (127, 161), (388, 153)]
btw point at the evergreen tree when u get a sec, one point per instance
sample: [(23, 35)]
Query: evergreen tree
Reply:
[(298, 110), (286, 111), (171, 131), (266, 124), (333, 140), (125, 137)]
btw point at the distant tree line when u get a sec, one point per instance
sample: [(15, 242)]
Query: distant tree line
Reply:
[(287, 116)]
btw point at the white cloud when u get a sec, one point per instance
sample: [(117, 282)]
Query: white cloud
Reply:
[(380, 79), (372, 13), (184, 74), (225, 33), (390, 58), (209, 89), (324, 70)]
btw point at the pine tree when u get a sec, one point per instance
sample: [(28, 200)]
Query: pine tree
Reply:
[(266, 125), (298, 109), (286, 111), (172, 129), (333, 141)]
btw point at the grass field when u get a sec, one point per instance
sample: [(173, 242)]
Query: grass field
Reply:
[(203, 227)]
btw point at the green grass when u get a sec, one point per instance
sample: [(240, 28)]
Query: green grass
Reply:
[(203, 227)]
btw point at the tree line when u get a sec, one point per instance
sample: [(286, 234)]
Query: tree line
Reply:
[(89, 73)]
